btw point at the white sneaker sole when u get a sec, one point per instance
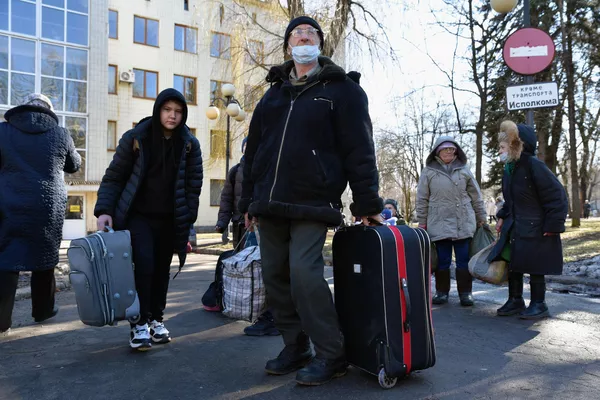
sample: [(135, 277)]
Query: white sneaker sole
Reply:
[(163, 340), (141, 346)]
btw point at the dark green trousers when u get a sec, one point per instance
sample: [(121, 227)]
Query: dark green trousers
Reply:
[(297, 293)]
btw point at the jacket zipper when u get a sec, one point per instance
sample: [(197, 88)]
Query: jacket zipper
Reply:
[(283, 138), (322, 170), (324, 99)]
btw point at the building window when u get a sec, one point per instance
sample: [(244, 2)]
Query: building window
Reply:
[(186, 5), (146, 84), (22, 18), (254, 17), (77, 128), (215, 92), (145, 31), (186, 38), (112, 79), (216, 187), (63, 77), (133, 125), (218, 138), (111, 135), (255, 53), (221, 13), (252, 95), (60, 20), (186, 86), (193, 131), (220, 46), (113, 24)]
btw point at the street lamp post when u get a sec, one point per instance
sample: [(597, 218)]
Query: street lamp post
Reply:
[(505, 6), (233, 110)]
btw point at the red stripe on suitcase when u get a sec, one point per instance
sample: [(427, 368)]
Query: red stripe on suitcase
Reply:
[(403, 274)]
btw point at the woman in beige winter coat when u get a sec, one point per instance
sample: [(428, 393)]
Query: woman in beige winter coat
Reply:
[(450, 207)]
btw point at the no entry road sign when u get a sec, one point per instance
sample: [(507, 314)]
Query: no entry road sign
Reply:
[(529, 51), (537, 95)]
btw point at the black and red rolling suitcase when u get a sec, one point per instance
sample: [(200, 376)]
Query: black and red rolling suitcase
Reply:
[(383, 299)]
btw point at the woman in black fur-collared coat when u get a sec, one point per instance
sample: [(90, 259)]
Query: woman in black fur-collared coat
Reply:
[(530, 221)]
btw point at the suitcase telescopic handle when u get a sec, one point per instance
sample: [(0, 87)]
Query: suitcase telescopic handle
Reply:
[(406, 324)]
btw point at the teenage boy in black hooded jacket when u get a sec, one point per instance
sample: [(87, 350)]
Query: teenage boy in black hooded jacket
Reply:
[(152, 188)]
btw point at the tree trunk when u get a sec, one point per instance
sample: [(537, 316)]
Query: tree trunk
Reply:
[(479, 150), (567, 43)]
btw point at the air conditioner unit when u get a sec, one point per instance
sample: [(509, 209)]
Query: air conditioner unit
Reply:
[(127, 76)]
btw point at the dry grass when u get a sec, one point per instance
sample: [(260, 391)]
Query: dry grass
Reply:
[(578, 243)]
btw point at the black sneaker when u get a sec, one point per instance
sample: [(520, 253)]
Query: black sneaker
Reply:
[(264, 326), (440, 298), (292, 357), (321, 370)]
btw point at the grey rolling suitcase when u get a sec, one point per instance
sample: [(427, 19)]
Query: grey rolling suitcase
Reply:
[(102, 278)]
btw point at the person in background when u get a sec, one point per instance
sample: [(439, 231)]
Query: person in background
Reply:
[(530, 221), (450, 207), (386, 214), (392, 205), (499, 204), (587, 209), (490, 208), (152, 188), (229, 211), (34, 152), (228, 207)]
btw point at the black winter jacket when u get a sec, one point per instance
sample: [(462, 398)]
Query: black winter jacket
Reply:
[(230, 196), (305, 144), (34, 151), (535, 203), (126, 172)]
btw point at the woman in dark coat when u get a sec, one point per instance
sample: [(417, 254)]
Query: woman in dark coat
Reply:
[(530, 221), (34, 152)]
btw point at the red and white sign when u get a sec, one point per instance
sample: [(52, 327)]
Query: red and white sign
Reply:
[(529, 51)]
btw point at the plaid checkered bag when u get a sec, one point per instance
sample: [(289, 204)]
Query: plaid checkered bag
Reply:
[(244, 295)]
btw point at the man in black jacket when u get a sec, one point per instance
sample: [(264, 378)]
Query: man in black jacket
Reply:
[(309, 136), (152, 188)]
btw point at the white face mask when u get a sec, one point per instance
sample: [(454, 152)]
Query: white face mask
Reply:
[(305, 54), (503, 157)]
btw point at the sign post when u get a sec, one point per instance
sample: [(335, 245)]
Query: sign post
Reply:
[(528, 51), (537, 95)]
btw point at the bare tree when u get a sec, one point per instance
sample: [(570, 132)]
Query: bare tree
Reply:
[(567, 47), (403, 149)]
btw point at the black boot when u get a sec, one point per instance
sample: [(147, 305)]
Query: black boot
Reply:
[(515, 303), (464, 281), (537, 306), (442, 286), (321, 370), (264, 326), (51, 314), (292, 357)]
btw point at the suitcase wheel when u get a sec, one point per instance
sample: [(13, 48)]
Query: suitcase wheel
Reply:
[(386, 381)]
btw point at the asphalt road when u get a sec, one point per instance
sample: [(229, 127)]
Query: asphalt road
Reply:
[(479, 356)]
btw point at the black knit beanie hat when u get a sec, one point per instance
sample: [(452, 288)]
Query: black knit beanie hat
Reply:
[(301, 21)]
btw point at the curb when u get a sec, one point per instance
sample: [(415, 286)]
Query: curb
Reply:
[(573, 280)]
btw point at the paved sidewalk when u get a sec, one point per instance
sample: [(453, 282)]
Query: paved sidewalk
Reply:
[(480, 356)]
